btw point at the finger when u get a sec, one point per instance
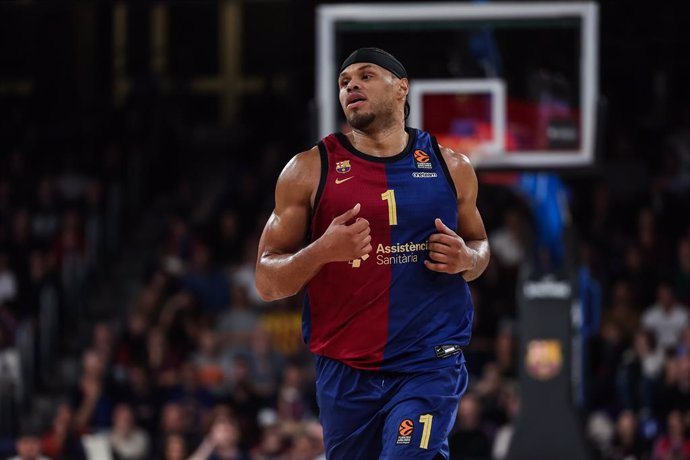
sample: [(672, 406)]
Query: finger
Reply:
[(438, 257), (347, 215), (437, 267), (443, 228), (367, 249), (362, 233), (442, 240), (439, 247), (360, 225), (365, 242)]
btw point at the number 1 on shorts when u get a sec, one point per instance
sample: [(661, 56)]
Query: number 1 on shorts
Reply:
[(426, 420)]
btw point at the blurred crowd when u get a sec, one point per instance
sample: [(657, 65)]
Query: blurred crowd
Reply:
[(196, 366)]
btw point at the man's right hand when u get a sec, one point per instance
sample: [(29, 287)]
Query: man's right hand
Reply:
[(342, 242)]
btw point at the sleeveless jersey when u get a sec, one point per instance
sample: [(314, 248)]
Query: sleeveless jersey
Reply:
[(387, 311)]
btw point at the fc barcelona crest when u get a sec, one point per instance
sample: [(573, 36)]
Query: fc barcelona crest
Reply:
[(343, 166), (544, 359)]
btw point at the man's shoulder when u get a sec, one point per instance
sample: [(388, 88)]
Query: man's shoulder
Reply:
[(302, 168), (306, 157)]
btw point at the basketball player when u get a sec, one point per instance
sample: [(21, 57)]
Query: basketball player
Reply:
[(393, 237)]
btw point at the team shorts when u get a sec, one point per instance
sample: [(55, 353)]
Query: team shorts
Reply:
[(388, 416)]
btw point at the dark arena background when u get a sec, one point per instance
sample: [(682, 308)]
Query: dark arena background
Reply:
[(140, 142)]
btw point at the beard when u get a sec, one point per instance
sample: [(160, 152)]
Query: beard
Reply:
[(361, 121)]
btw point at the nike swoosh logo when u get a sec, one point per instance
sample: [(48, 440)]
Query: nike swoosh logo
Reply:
[(340, 181)]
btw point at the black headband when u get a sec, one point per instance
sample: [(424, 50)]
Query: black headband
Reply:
[(376, 56)]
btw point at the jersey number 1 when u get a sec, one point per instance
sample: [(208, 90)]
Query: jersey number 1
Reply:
[(426, 420), (389, 196)]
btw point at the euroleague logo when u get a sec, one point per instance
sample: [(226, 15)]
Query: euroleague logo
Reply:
[(423, 159), (405, 431)]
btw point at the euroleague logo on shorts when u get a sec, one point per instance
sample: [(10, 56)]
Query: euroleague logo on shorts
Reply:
[(405, 431), (423, 159)]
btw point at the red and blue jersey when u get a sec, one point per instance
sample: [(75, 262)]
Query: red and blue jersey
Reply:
[(387, 311)]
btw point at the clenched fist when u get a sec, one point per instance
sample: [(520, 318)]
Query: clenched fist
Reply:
[(342, 242)]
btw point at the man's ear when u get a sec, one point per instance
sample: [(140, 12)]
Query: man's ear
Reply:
[(403, 88)]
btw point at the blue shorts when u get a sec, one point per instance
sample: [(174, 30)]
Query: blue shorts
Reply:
[(381, 415)]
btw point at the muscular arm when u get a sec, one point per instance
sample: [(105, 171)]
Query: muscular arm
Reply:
[(283, 265), (468, 255)]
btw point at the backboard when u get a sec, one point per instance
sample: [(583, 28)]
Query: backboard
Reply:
[(513, 85)]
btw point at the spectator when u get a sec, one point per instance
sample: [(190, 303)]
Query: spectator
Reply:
[(272, 445), (68, 250), (131, 348), (143, 397), (622, 311), (666, 318), (235, 325), (195, 400), (305, 446), (293, 403), (162, 360), (175, 448), (213, 366), (607, 349), (178, 248), (128, 441), (505, 350), (675, 443), (93, 399), (210, 286), (175, 423), (315, 431), (641, 277), (626, 440), (600, 430), (180, 319), (639, 374), (510, 401), (62, 441), (265, 364), (508, 241), (469, 442), (676, 390), (222, 442), (29, 447), (245, 401), (488, 389)]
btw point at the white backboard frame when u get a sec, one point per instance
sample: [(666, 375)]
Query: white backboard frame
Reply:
[(326, 67)]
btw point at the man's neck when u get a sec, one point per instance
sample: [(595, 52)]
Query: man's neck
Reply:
[(385, 142)]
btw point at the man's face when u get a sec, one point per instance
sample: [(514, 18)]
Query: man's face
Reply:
[(367, 92), (29, 447)]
